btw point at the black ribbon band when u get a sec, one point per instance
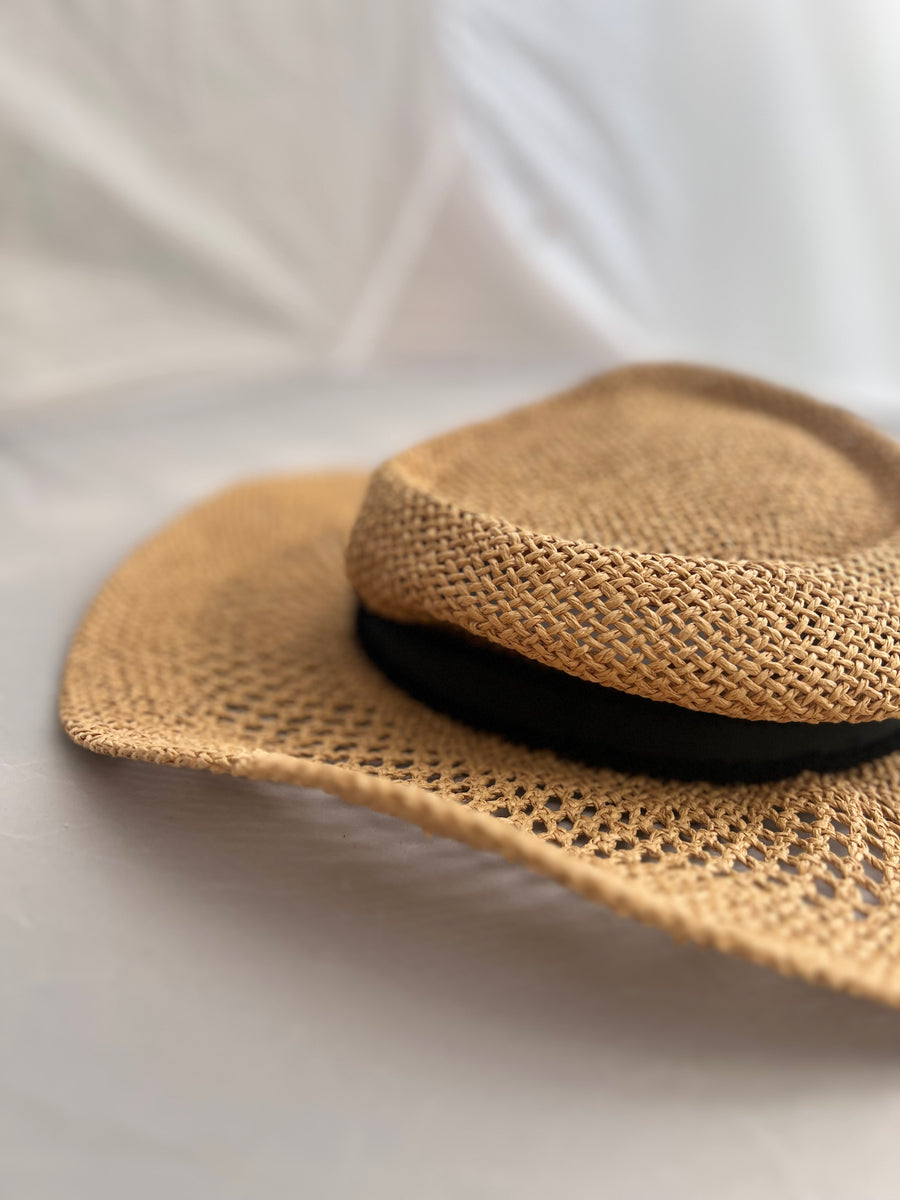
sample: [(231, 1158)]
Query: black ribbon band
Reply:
[(499, 692)]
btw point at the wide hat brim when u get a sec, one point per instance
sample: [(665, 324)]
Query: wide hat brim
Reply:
[(228, 643)]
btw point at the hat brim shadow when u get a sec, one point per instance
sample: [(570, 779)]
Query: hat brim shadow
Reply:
[(469, 935)]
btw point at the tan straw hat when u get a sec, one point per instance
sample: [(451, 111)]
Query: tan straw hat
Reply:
[(643, 637)]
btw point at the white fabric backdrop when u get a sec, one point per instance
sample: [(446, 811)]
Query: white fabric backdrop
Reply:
[(246, 236), (229, 186)]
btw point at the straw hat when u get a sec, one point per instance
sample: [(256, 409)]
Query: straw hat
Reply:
[(642, 637)]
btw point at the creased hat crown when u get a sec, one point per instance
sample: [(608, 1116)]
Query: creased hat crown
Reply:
[(680, 533)]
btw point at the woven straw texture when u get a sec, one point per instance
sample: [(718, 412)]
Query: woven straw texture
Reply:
[(227, 643), (684, 534)]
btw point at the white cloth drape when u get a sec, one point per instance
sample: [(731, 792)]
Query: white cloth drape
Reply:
[(223, 187)]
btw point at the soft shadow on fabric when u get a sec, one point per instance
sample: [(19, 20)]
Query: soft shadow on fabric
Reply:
[(466, 931)]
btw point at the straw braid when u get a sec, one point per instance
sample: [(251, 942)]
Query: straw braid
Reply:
[(776, 640)]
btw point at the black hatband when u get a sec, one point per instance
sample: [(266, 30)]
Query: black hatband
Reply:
[(500, 692)]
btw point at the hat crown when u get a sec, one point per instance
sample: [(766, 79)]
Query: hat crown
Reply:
[(684, 534)]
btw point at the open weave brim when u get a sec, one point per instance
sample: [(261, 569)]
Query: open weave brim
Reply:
[(227, 643)]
